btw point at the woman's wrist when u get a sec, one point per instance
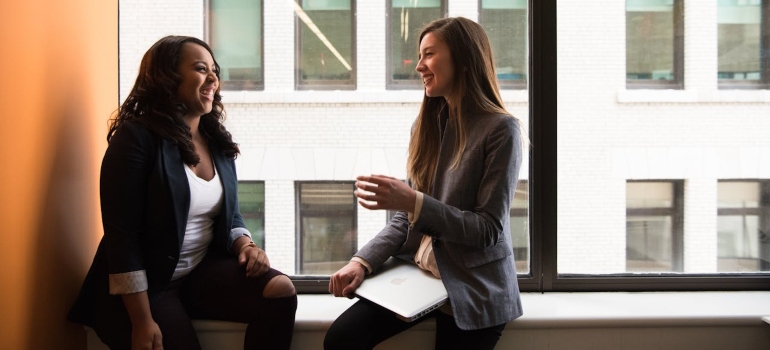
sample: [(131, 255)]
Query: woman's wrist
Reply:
[(247, 245)]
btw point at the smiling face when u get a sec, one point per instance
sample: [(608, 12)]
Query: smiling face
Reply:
[(435, 66), (199, 80)]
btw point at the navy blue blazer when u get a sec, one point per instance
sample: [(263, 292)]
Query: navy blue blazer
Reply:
[(145, 199)]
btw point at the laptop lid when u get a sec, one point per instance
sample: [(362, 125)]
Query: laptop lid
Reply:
[(403, 288)]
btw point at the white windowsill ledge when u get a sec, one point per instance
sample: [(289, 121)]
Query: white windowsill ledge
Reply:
[(316, 312), (559, 321)]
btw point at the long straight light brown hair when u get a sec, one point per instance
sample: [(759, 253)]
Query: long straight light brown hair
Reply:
[(475, 91)]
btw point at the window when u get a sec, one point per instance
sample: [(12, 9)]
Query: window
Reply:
[(654, 44), (743, 225), (506, 25), (327, 224), (633, 204), (744, 50), (325, 55), (653, 226), (251, 201), (405, 19), (235, 35)]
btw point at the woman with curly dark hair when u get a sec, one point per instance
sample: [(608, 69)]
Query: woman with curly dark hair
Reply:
[(175, 246)]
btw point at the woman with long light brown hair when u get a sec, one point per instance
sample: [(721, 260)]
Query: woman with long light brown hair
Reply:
[(465, 154)]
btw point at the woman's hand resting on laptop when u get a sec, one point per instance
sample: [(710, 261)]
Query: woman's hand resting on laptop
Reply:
[(345, 281)]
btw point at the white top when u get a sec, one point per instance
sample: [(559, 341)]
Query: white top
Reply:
[(205, 203)]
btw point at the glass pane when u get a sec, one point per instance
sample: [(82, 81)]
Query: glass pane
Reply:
[(649, 195), (742, 226), (648, 244), (642, 173), (326, 42), (327, 227), (506, 25), (739, 26), (650, 39), (289, 137), (251, 201), (649, 226), (407, 17), (236, 38)]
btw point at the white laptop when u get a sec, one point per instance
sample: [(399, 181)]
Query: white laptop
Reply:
[(403, 288)]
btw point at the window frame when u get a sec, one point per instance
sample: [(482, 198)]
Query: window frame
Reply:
[(764, 58), (390, 83), (254, 85), (678, 68), (350, 84)]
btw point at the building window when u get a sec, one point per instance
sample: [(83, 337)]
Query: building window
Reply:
[(743, 226), (251, 201), (405, 19), (325, 54), (654, 226), (520, 239), (326, 214), (506, 25), (235, 35), (654, 44), (744, 49)]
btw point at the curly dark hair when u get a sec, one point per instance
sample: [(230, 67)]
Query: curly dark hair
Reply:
[(153, 102)]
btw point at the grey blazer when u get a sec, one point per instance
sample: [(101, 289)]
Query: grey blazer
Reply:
[(467, 215)]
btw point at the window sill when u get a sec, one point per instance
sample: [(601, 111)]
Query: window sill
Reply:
[(315, 312), (693, 96), (559, 321)]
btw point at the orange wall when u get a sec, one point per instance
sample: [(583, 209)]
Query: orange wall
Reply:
[(58, 86)]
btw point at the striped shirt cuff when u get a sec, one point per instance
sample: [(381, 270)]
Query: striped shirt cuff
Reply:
[(235, 233), (128, 282)]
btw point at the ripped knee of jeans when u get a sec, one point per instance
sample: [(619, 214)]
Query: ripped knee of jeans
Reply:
[(279, 287)]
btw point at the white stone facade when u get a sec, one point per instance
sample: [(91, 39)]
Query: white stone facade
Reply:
[(606, 134)]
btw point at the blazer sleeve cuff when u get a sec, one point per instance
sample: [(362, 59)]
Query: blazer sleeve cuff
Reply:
[(235, 233), (128, 282)]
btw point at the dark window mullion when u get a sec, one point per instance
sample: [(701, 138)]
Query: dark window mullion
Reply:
[(542, 133)]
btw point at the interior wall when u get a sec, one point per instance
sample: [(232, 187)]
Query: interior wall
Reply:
[(59, 70)]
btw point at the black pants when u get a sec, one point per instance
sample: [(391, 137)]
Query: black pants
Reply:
[(364, 325), (218, 289)]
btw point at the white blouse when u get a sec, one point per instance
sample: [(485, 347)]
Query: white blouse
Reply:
[(205, 202)]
